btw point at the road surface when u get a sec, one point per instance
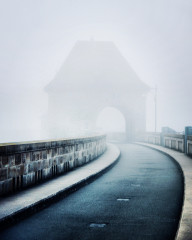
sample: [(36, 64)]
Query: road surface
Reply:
[(139, 198)]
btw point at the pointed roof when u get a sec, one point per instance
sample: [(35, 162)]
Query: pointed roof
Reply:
[(96, 65)]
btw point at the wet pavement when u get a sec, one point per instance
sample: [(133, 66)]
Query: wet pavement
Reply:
[(22, 203), (139, 198)]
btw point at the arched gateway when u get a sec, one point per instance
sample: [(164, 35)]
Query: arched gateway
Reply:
[(94, 75)]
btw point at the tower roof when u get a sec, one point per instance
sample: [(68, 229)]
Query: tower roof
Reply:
[(96, 65)]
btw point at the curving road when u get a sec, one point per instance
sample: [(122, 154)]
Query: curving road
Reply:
[(140, 198)]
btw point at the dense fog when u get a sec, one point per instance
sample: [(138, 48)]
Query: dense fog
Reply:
[(154, 36)]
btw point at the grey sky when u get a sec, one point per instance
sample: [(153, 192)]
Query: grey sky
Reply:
[(155, 36)]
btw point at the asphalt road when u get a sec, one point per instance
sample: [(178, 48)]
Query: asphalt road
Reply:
[(139, 198)]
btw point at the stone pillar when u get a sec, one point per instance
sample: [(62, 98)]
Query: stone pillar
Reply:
[(188, 132)]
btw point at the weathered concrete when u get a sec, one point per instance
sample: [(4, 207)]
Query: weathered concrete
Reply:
[(185, 227), (28, 163), (15, 206)]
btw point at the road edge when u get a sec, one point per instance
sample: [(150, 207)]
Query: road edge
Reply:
[(184, 231), (45, 202)]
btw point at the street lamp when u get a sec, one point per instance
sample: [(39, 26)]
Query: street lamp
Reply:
[(155, 100), (155, 108)]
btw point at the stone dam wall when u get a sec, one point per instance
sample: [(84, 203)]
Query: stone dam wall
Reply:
[(28, 163)]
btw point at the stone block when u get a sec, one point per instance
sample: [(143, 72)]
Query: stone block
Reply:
[(17, 159), (40, 164), (46, 163), (8, 185), (53, 152), (61, 160), (71, 164), (11, 159), (32, 178), (30, 167), (5, 186), (55, 161), (25, 170), (3, 174), (20, 169), (44, 154), (61, 151), (50, 162), (59, 168), (2, 191), (71, 157), (5, 162), (25, 180), (46, 173), (76, 155), (12, 172), (35, 166)]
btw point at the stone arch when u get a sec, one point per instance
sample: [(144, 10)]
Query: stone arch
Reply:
[(111, 121)]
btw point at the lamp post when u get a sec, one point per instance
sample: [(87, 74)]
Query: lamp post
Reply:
[(155, 100), (155, 108)]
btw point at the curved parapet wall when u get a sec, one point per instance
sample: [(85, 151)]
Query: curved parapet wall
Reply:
[(184, 231), (178, 142), (28, 163)]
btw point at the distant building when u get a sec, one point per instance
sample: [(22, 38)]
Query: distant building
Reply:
[(95, 75)]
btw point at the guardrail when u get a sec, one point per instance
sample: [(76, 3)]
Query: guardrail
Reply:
[(153, 138), (178, 142), (28, 163), (174, 141), (189, 145)]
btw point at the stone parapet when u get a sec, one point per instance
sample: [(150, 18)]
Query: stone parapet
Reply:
[(27, 163), (184, 231)]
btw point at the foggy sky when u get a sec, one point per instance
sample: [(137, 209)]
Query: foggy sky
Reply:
[(155, 36)]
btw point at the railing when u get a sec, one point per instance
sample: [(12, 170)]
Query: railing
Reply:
[(178, 142), (174, 141), (189, 145), (28, 163), (150, 137)]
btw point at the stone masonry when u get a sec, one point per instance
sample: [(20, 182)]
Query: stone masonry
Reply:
[(28, 163)]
